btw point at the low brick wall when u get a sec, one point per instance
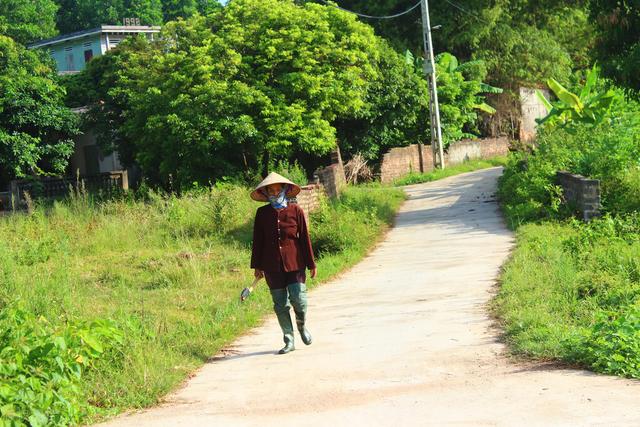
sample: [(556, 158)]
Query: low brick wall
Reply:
[(582, 194), (463, 151), (401, 161), (309, 198), (332, 179)]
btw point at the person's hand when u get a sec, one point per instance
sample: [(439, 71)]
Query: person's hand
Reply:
[(259, 274), (314, 271)]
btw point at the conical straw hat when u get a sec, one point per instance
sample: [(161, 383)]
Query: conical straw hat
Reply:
[(274, 178)]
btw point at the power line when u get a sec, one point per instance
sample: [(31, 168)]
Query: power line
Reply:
[(457, 6), (362, 15)]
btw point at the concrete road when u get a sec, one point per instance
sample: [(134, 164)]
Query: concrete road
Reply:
[(403, 339)]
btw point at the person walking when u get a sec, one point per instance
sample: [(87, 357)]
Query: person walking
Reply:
[(282, 252)]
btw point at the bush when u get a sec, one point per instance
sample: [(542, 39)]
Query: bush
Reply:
[(609, 152), (41, 366), (613, 344), (353, 220)]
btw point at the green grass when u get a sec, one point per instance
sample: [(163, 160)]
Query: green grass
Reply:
[(168, 272), (571, 292), (470, 166)]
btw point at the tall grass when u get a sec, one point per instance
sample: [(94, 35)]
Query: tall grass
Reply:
[(167, 272), (572, 292)]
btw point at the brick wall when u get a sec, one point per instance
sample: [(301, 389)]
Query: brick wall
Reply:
[(401, 161), (332, 177), (309, 198), (330, 182), (580, 193)]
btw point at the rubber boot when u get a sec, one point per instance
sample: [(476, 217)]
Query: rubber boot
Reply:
[(281, 307), (298, 297)]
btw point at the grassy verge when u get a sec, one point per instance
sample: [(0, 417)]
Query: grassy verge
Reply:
[(572, 292), (470, 166), (166, 273)]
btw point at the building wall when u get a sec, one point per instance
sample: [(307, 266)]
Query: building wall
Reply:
[(76, 48), (532, 108), (88, 159)]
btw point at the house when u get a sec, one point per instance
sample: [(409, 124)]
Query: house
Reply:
[(71, 52)]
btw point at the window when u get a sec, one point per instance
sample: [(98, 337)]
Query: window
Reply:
[(88, 54)]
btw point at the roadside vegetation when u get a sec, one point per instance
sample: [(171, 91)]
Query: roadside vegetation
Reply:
[(571, 291), (110, 305)]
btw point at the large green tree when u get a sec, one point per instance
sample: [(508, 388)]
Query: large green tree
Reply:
[(28, 20), (174, 9), (75, 15), (250, 84), (35, 126), (522, 41), (618, 39)]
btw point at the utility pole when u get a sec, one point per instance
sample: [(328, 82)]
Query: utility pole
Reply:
[(430, 73)]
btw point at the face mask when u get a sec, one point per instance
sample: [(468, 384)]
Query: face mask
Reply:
[(279, 201)]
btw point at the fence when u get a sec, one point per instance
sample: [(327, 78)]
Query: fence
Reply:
[(56, 188)]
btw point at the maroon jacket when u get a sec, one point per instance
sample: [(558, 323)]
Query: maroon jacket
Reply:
[(281, 237)]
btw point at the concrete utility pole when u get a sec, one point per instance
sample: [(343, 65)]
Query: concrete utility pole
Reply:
[(430, 73)]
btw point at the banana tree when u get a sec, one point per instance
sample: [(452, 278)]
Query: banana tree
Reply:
[(448, 63), (588, 107)]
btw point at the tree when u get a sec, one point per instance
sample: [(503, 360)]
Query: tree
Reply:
[(174, 9), (35, 126), (255, 82), (618, 39), (396, 112), (27, 21), (75, 15), (536, 38)]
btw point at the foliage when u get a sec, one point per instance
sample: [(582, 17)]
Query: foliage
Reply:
[(35, 127), (571, 291), (253, 83), (292, 171), (175, 293), (349, 224), (27, 21), (174, 9), (76, 15), (41, 366), (617, 48), (459, 93), (396, 112), (609, 151), (613, 346), (588, 107), (521, 41)]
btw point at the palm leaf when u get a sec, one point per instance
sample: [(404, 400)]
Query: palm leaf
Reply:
[(485, 107), (564, 95)]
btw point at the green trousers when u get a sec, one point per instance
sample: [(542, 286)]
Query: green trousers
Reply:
[(294, 295)]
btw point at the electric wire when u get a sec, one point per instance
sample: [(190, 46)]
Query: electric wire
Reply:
[(362, 15)]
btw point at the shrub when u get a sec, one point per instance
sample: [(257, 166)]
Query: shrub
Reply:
[(609, 152), (612, 346), (41, 366)]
